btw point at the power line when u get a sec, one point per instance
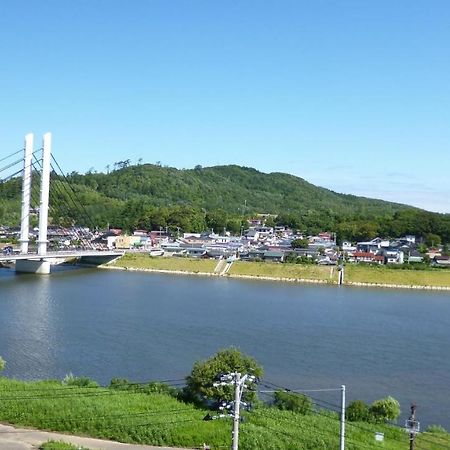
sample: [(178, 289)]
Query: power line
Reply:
[(333, 417), (299, 391), (171, 382), (62, 395), (112, 426), (322, 431), (144, 414)]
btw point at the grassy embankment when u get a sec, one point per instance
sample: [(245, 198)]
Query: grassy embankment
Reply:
[(143, 261), (357, 273), (160, 419), (292, 271), (354, 273)]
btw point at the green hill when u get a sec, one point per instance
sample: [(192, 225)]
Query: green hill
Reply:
[(150, 196), (232, 188)]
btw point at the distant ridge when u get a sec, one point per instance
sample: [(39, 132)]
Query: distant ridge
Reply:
[(150, 196), (231, 188)]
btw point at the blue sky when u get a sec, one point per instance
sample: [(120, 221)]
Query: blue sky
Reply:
[(351, 95)]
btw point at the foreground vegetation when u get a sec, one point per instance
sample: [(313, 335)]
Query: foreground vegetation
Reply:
[(57, 445), (149, 414), (354, 273)]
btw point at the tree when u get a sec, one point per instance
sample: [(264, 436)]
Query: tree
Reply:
[(270, 222), (234, 225), (290, 401), (445, 250), (432, 240), (385, 409), (2, 363), (291, 257), (300, 243), (199, 384), (216, 219), (357, 411)]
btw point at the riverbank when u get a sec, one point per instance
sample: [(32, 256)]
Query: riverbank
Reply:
[(355, 275), (146, 414)]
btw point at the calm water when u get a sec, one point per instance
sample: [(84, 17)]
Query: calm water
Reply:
[(106, 324)]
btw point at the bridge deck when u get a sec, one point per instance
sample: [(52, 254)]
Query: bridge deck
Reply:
[(60, 255)]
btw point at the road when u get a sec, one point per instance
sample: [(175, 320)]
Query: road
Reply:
[(12, 438)]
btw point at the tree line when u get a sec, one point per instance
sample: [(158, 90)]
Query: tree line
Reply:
[(223, 197)]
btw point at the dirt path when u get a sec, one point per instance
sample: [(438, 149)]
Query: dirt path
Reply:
[(26, 439)]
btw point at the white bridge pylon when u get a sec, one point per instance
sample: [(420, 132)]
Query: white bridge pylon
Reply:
[(38, 265), (40, 262)]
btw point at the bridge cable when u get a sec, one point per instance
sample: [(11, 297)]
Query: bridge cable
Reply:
[(12, 154), (62, 201), (8, 166), (73, 191), (10, 177), (79, 207)]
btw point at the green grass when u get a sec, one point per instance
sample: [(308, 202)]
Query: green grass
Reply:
[(144, 261), (159, 419), (360, 273), (356, 273), (281, 270), (58, 445)]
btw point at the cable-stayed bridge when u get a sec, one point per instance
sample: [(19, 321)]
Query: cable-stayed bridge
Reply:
[(36, 168)]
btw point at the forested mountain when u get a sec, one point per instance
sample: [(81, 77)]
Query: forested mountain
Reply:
[(150, 196)]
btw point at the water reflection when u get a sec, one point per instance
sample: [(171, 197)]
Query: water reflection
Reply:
[(28, 347)]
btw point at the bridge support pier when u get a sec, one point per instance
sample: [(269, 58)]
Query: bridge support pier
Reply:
[(32, 266)]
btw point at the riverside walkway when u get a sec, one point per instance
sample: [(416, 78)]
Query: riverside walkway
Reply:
[(12, 438)]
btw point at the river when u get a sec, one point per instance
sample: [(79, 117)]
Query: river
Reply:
[(142, 326)]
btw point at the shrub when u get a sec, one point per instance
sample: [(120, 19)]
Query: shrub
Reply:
[(122, 384), (154, 387), (357, 411), (290, 401), (71, 380), (291, 257), (385, 409), (436, 429)]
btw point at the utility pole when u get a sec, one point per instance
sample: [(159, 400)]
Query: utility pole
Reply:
[(342, 425), (239, 381), (412, 426), (237, 404)]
